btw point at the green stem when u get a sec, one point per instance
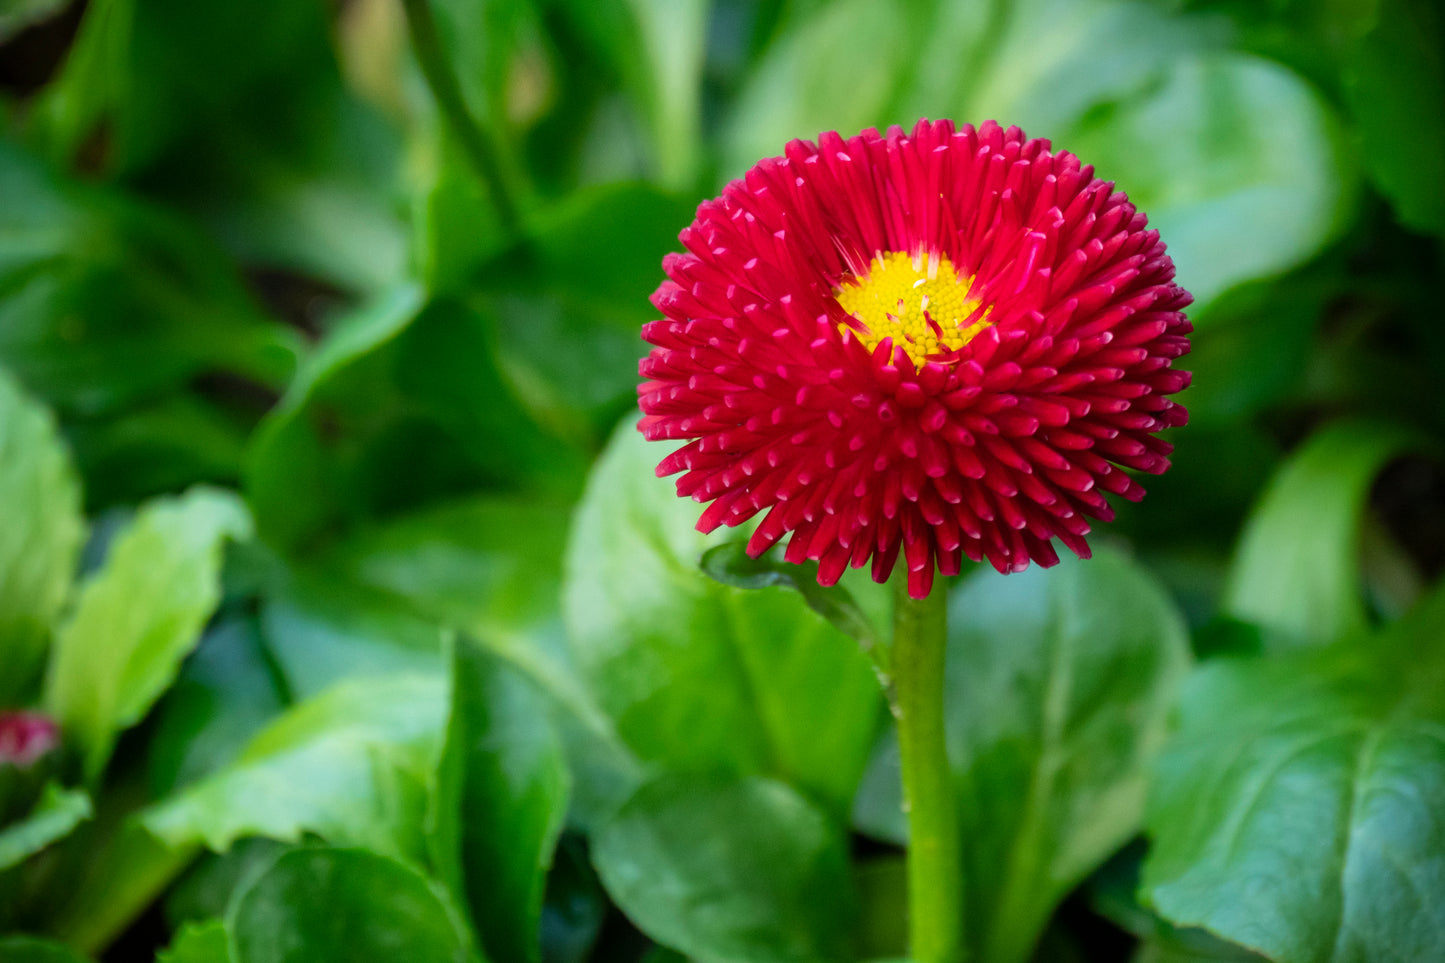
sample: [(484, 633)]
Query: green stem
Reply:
[(935, 873), (473, 139)]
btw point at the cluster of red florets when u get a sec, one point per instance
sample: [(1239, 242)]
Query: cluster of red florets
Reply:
[(990, 450)]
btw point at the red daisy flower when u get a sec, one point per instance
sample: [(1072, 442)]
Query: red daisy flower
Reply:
[(949, 342)]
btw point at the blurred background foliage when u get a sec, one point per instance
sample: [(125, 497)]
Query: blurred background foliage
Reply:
[(365, 642)]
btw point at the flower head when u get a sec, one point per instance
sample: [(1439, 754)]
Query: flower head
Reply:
[(25, 737), (947, 343)]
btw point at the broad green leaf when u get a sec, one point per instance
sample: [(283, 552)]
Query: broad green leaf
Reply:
[(225, 693), (568, 315), (312, 903), (500, 802), (27, 949), (349, 765), (260, 140), (56, 814), (1113, 893), (1059, 689), (730, 564), (40, 534), (606, 243), (1059, 685), (210, 885), (698, 676), (462, 565), (105, 300), (205, 942), (1296, 811), (320, 630), (1254, 204), (1133, 90), (138, 617), (151, 449), (402, 404), (449, 367), (309, 186), (263, 141), (1394, 85), (289, 481), (116, 871), (1296, 571), (731, 870), (343, 633)]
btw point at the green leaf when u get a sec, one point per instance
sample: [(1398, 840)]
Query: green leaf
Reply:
[(135, 620), (1113, 892), (696, 675), (116, 871), (320, 630), (500, 803), (313, 902), (156, 448), (27, 949), (568, 314), (1296, 570), (107, 300), (212, 882), (225, 693), (290, 482), (349, 765), (56, 814), (40, 535), (1236, 208), (205, 942), (462, 563), (1296, 811), (449, 366), (730, 870), (1059, 685), (401, 405), (1394, 81), (730, 564)]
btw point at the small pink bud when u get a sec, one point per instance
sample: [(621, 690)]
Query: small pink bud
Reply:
[(25, 737)]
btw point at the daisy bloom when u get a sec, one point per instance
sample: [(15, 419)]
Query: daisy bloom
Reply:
[(948, 343)]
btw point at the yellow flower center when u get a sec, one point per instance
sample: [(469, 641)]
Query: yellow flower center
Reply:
[(917, 300)]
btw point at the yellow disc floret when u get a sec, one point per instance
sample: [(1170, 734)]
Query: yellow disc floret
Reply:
[(917, 300)]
